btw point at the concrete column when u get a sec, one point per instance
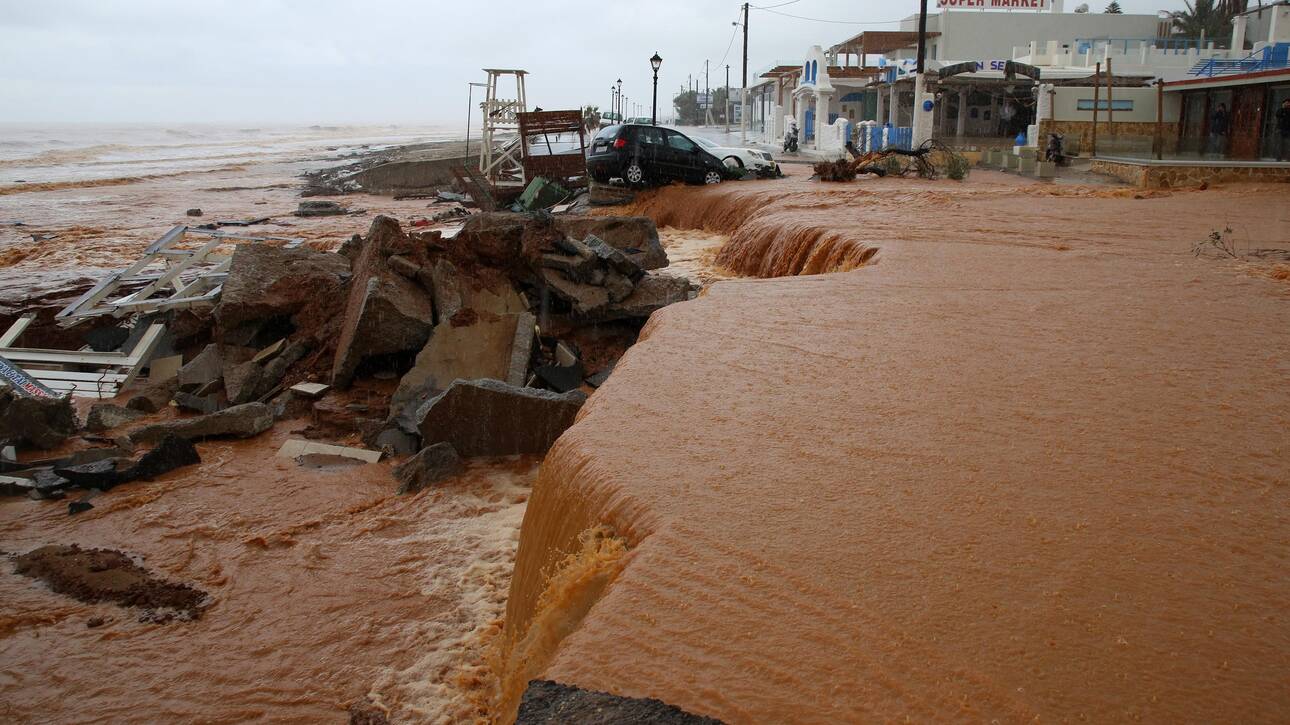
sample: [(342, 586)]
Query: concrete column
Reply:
[(891, 107), (960, 126), (821, 117), (881, 115), (994, 110), (942, 118), (1238, 36), (923, 120)]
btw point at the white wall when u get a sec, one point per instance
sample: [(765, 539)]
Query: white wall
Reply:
[(985, 35), (1066, 105)]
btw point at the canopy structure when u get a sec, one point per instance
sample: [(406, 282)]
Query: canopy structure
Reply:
[(878, 42)]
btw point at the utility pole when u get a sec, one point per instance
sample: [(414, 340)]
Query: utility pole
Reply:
[(1097, 88), (922, 120), (743, 89), (727, 98), (707, 93)]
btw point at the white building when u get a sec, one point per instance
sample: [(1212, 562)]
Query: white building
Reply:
[(867, 80)]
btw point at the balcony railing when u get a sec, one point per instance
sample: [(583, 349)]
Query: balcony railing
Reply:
[(1272, 57)]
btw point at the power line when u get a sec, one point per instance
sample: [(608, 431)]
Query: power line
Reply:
[(822, 20), (779, 5)]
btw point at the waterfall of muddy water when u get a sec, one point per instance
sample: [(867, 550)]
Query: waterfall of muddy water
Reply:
[(325, 588), (1033, 465), (692, 253)]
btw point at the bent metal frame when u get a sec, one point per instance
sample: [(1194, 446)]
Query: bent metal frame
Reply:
[(188, 278)]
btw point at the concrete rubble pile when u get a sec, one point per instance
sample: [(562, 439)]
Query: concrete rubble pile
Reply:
[(412, 344)]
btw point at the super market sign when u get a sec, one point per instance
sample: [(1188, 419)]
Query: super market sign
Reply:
[(994, 4)]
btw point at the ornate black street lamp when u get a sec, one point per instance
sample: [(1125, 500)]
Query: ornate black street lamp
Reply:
[(620, 100), (655, 62)]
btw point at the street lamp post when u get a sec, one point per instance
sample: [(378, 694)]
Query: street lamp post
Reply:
[(655, 62), (620, 100)]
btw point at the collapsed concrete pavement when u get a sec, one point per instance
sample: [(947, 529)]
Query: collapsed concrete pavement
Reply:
[(495, 336)]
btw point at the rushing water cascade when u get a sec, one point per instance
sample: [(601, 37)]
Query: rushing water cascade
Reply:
[(1014, 472), (768, 237)]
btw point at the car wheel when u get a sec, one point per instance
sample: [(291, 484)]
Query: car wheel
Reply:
[(734, 162), (634, 174), (712, 177)]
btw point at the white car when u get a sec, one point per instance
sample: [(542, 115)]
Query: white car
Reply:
[(736, 157)]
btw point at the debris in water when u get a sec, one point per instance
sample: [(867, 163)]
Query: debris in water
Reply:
[(105, 575), (433, 464), (552, 703), (297, 448)]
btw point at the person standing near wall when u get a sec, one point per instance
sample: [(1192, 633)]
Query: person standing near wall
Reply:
[(1283, 130), (1218, 129)]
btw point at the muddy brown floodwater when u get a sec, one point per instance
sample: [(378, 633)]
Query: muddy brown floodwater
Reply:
[(1026, 457), (1028, 462), (324, 588)]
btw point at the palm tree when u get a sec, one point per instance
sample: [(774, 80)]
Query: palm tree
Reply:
[(1113, 8), (1205, 18)]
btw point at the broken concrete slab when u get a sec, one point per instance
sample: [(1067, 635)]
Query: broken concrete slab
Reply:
[(269, 351), (551, 703), (242, 381), (164, 368), (454, 292), (203, 368), (320, 208), (564, 354), (395, 442), (102, 475), (172, 452), (266, 282), (637, 236), (106, 416), (15, 486), (494, 236), (654, 292), (618, 287), (404, 266), (239, 421), (431, 465), (385, 312), (561, 378), (47, 485), (498, 347), (153, 396), (570, 265), (296, 448), (587, 300), (492, 418), (197, 403), (276, 368), (37, 422), (614, 258), (310, 390)]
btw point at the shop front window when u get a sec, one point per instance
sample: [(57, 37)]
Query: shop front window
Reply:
[(1275, 146)]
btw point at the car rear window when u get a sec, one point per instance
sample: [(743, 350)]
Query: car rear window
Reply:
[(608, 132)]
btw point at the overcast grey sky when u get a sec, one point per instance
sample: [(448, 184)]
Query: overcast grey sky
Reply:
[(327, 61)]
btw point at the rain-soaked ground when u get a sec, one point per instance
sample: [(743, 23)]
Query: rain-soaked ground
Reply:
[(1026, 458)]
